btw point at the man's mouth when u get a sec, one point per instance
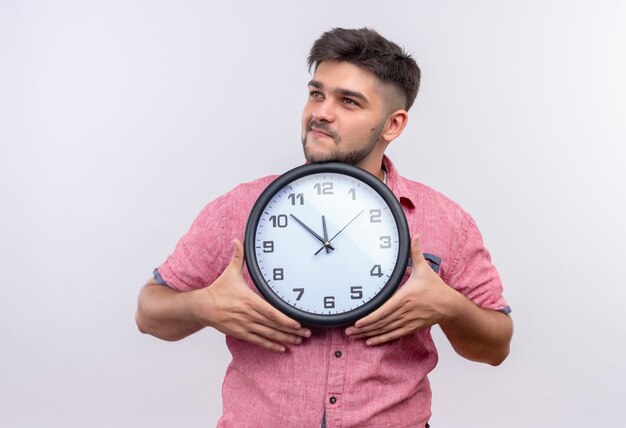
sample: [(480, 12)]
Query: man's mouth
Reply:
[(320, 133), (319, 130)]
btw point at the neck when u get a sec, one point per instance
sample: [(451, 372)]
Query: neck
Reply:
[(374, 167), (380, 174)]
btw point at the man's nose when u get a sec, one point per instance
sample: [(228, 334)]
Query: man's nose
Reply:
[(324, 111)]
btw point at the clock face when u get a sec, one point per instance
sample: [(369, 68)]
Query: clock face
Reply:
[(326, 243)]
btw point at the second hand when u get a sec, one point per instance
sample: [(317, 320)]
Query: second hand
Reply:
[(331, 239)]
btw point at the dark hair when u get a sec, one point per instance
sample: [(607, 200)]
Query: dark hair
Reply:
[(369, 50)]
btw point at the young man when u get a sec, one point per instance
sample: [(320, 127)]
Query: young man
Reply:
[(373, 373)]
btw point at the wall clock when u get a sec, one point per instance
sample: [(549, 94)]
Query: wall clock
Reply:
[(326, 243)]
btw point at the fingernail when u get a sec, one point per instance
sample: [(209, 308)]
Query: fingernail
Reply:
[(298, 341), (307, 333), (281, 349), (349, 331)]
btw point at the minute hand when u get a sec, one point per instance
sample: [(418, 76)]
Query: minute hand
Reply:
[(322, 240), (331, 239)]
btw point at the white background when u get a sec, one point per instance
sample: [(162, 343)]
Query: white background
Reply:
[(119, 120)]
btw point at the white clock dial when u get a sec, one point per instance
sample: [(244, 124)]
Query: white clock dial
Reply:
[(360, 228), (326, 244)]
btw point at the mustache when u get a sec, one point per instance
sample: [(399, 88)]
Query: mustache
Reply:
[(321, 126)]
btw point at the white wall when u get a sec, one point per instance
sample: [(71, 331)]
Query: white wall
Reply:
[(119, 120)]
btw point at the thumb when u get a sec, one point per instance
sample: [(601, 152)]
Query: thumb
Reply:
[(236, 262), (416, 252)]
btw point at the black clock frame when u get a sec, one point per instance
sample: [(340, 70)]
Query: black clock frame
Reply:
[(328, 320)]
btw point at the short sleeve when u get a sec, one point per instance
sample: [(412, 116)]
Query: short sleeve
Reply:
[(473, 274), (203, 252)]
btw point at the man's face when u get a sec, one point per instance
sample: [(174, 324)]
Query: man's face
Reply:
[(344, 116)]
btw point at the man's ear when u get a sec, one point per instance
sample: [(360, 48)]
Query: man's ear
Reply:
[(395, 125)]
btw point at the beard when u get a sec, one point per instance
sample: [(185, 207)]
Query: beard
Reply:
[(354, 158)]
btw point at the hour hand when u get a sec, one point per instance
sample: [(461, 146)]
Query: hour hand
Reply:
[(312, 232), (326, 241)]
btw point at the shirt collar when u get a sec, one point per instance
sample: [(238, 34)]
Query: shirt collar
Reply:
[(398, 184)]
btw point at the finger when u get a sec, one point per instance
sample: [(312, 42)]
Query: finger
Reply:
[(258, 310), (236, 260), (380, 325), (392, 325), (377, 317), (416, 252), (275, 335), (302, 332), (388, 308), (387, 337), (261, 341), (272, 317)]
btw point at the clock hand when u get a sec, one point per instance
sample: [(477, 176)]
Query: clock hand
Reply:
[(325, 236), (355, 217), (322, 240), (331, 239)]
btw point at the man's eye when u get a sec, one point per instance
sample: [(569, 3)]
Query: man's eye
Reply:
[(349, 101), (315, 94)]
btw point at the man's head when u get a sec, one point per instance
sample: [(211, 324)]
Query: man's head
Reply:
[(370, 51), (361, 90)]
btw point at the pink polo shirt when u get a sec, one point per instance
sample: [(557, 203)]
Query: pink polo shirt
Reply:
[(356, 385)]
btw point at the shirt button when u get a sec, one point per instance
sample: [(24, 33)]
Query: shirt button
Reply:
[(338, 354), (333, 400)]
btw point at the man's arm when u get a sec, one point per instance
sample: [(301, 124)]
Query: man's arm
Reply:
[(478, 334), (165, 313), (475, 333), (227, 305)]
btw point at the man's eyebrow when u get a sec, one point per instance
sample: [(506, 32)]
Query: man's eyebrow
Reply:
[(353, 94), (345, 92)]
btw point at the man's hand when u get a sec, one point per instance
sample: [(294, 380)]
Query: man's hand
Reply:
[(231, 307), (228, 305), (475, 333), (419, 303)]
